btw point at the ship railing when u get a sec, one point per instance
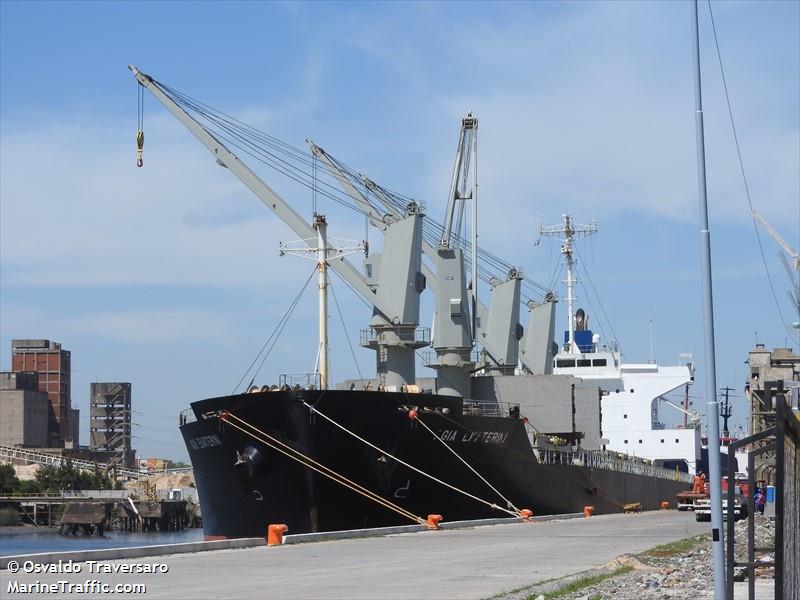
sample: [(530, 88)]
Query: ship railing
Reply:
[(610, 460), (432, 359), (306, 381), (416, 337), (490, 409)]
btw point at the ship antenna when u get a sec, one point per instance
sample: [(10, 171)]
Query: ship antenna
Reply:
[(322, 253), (569, 231)]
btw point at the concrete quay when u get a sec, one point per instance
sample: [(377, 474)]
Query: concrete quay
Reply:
[(477, 562)]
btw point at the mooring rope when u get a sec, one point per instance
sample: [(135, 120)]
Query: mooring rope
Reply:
[(405, 464), (312, 464), (454, 453)]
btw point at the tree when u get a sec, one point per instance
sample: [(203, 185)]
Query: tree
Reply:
[(68, 478), (9, 483), (29, 486)]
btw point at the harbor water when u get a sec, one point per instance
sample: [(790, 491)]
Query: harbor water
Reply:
[(17, 540)]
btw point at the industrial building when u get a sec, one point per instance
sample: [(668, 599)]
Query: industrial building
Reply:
[(24, 411), (780, 364), (52, 364), (110, 423)]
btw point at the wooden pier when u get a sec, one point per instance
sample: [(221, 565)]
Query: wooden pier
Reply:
[(73, 514)]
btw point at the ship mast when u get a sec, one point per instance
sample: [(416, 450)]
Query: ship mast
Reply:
[(321, 225), (570, 231), (322, 254)]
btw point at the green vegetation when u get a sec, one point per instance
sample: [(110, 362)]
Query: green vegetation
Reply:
[(517, 590), (583, 582), (679, 547), (54, 480), (8, 479)]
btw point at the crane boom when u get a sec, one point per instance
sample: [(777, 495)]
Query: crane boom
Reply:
[(778, 238), (693, 415), (265, 193), (497, 325)]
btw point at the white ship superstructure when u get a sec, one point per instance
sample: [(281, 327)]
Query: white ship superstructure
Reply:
[(633, 392)]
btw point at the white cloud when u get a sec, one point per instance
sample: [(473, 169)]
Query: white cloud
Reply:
[(76, 211), (153, 326)]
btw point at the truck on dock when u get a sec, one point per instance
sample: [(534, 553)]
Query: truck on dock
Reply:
[(688, 500), (702, 508)]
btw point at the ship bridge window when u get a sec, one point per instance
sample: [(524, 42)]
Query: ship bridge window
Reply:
[(626, 441), (662, 441), (676, 440), (640, 441), (600, 362), (631, 390), (624, 416), (565, 362), (584, 362)]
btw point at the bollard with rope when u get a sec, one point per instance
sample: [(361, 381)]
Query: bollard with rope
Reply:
[(433, 521), (275, 534)]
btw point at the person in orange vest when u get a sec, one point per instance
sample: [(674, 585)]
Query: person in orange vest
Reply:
[(699, 484)]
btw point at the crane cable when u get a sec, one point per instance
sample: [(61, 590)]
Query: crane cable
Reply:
[(310, 463), (416, 418), (248, 138), (744, 177), (314, 410), (269, 345), (532, 458)]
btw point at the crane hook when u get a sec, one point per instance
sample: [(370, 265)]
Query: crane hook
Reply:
[(140, 145)]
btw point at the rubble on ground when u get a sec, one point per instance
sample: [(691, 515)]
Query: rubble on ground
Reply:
[(687, 574)]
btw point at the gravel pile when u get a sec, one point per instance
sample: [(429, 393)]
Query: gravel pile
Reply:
[(664, 574)]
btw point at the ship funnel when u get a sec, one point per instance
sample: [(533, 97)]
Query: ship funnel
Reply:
[(581, 320)]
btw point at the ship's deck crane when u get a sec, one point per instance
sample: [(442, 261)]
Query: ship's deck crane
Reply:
[(395, 282), (455, 314), (496, 327)]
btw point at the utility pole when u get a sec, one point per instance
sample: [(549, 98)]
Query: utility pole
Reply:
[(686, 405), (725, 410), (712, 410)]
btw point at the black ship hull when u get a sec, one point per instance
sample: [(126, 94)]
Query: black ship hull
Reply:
[(244, 485)]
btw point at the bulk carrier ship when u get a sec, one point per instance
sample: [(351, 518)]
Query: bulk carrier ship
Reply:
[(498, 431)]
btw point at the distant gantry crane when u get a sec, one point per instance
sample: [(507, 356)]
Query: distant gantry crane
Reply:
[(794, 290)]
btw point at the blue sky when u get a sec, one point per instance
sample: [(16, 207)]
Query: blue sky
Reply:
[(168, 276)]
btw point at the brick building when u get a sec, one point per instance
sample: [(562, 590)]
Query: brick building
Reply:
[(52, 365)]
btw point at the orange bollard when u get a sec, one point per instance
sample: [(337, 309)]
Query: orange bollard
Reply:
[(433, 521), (664, 505), (588, 511), (526, 514), (275, 534)]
